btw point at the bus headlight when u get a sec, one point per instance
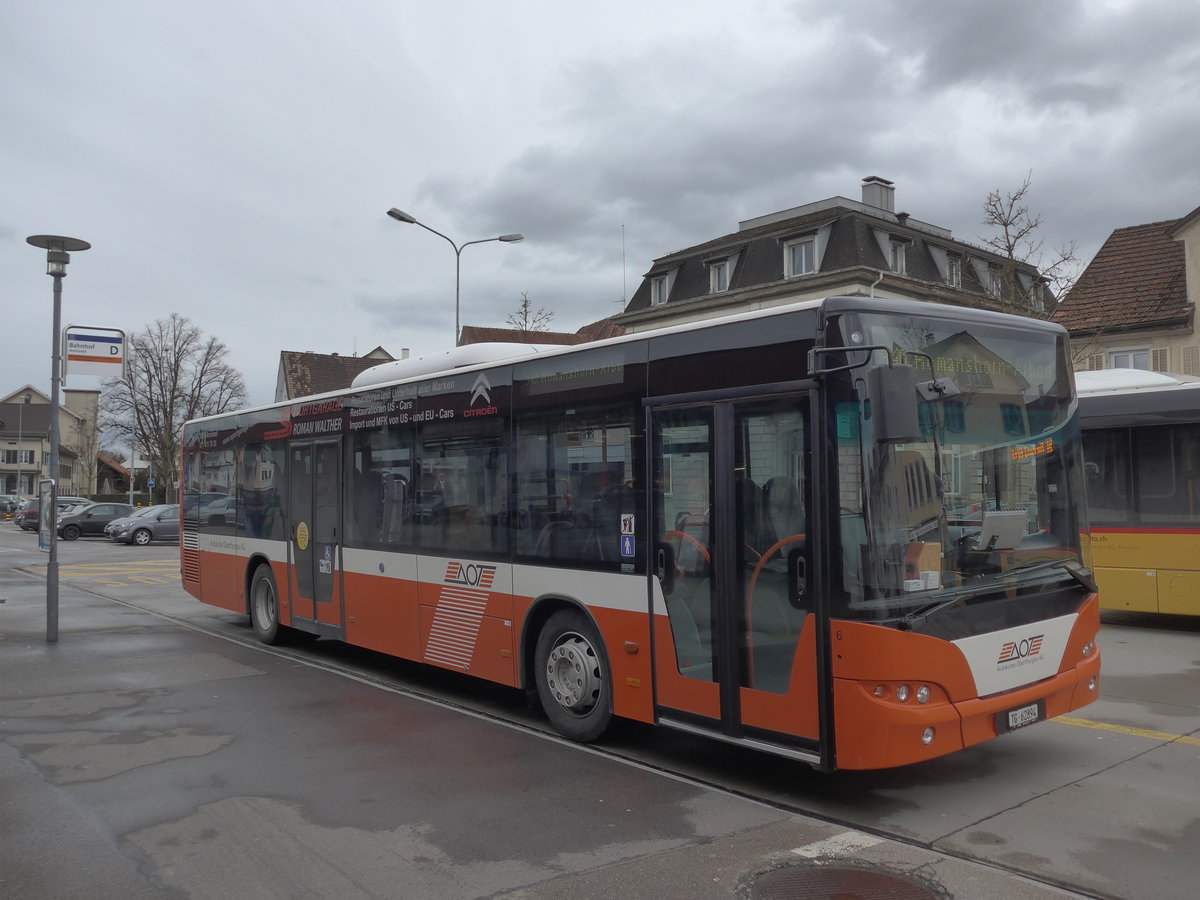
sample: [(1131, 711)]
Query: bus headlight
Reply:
[(901, 692), (1089, 648), (927, 736)]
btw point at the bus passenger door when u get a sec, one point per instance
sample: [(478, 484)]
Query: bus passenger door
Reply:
[(735, 621), (314, 495)]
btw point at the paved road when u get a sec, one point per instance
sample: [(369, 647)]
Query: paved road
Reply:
[(157, 745)]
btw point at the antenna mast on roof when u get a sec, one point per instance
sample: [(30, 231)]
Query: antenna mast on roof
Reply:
[(623, 286)]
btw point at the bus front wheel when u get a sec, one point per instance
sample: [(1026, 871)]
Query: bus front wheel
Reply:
[(264, 605), (573, 681)]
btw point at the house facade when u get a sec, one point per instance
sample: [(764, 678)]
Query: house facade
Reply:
[(25, 441), (828, 248), (1134, 305)]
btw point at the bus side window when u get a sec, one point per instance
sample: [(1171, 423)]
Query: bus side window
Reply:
[(459, 497), (378, 496), (1168, 477), (1106, 469), (574, 477)]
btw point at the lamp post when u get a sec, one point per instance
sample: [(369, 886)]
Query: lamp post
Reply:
[(58, 250), (401, 216)]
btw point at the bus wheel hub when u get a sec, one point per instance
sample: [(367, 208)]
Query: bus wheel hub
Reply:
[(573, 674)]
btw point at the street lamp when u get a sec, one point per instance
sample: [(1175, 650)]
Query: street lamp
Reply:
[(401, 216), (58, 250)]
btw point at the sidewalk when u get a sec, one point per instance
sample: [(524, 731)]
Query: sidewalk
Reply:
[(142, 759)]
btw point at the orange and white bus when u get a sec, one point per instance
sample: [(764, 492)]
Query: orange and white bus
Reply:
[(1141, 444), (845, 531)]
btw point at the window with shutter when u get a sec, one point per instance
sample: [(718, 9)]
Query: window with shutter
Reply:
[(1191, 360)]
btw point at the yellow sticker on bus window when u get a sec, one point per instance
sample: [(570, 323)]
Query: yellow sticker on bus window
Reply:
[(302, 535)]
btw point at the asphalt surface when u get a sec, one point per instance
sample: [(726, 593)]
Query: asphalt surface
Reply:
[(141, 758)]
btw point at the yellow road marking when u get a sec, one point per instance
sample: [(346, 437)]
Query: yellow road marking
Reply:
[(109, 574), (1125, 729)]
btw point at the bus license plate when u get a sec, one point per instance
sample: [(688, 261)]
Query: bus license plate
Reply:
[(1020, 717)]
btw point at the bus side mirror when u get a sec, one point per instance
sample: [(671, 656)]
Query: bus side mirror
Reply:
[(893, 403)]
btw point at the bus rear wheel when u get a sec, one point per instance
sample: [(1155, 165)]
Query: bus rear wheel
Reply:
[(264, 605), (573, 680)]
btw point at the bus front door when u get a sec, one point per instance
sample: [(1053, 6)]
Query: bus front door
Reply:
[(735, 622), (314, 500)]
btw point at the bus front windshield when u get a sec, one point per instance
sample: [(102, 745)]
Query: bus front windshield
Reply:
[(983, 493)]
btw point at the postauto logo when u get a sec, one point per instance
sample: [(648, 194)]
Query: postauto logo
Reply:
[(1022, 649)]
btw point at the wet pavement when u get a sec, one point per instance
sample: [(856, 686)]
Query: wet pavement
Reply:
[(140, 758)]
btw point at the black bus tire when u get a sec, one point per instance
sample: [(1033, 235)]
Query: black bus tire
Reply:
[(573, 678), (264, 605)]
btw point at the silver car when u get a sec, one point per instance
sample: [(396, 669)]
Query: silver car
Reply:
[(154, 523)]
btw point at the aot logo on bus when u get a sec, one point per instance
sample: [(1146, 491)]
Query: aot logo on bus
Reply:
[(470, 575), (1021, 649)]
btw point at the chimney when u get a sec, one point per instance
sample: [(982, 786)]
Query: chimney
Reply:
[(879, 192)]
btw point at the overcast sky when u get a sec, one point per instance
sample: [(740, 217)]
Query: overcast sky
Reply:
[(233, 160)]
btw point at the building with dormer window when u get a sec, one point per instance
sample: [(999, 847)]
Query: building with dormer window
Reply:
[(828, 248)]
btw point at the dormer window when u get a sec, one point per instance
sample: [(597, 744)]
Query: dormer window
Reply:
[(954, 270), (659, 289), (995, 282), (718, 276), (720, 271), (897, 260), (800, 257)]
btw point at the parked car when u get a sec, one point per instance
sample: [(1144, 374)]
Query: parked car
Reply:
[(89, 519), (9, 502), (154, 523), (27, 518)]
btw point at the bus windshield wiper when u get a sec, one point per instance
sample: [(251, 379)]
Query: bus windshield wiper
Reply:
[(993, 583), (1070, 566), (924, 612)]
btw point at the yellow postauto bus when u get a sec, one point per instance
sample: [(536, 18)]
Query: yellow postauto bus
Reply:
[(1141, 445)]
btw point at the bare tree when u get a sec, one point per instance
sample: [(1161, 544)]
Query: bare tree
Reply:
[(525, 320), (174, 373), (1016, 238)]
